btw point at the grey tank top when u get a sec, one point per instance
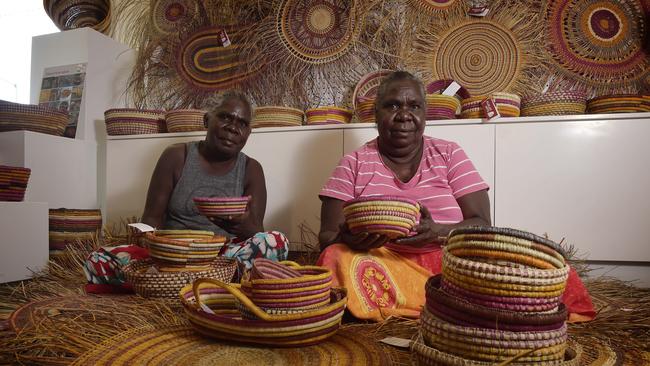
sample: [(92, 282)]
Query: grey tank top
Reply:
[(195, 182)]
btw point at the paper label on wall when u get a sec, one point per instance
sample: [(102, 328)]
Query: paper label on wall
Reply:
[(62, 88)]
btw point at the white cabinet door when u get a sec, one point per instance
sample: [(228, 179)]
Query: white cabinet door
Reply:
[(296, 165), (583, 181), (476, 140)]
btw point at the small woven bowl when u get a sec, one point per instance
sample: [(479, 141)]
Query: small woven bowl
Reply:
[(393, 216), (176, 255), (221, 206)]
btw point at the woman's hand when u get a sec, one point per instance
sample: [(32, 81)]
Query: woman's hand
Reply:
[(242, 226), (363, 241), (427, 230)]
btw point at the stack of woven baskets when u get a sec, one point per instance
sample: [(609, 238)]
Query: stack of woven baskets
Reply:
[(68, 226), (622, 103), (507, 104), (13, 183), (183, 250), (16, 117), (178, 257), (365, 109), (441, 106), (129, 121), (562, 102), (327, 115), (274, 116), (277, 304), (185, 120), (392, 216), (498, 297)]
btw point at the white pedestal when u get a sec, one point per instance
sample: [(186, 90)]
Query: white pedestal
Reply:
[(64, 170), (23, 239), (109, 65)]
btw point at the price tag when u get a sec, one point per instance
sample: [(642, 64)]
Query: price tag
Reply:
[(397, 342), (489, 108), (452, 89), (143, 228), (223, 35)]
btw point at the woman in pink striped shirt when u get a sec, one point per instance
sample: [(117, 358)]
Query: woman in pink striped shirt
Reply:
[(387, 278)]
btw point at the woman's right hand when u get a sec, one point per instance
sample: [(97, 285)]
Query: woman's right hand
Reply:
[(362, 241)]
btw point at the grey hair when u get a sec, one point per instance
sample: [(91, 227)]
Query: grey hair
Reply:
[(397, 76), (215, 102)]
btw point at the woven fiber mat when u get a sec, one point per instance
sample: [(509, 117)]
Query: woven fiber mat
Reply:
[(180, 345)]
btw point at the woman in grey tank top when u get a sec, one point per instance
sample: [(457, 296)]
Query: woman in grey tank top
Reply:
[(215, 167)]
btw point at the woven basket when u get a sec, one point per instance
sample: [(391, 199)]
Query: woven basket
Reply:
[(221, 206), (285, 330), (13, 183), (185, 120), (311, 289), (368, 85), (168, 284), (392, 216), (194, 254), (18, 117), (429, 356), (126, 121)]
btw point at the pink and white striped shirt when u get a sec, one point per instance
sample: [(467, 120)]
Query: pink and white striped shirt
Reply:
[(445, 174)]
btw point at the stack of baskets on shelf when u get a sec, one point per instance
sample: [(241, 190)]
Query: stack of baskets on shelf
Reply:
[(282, 304), (507, 104), (178, 257), (185, 120), (13, 183), (275, 116), (16, 117), (68, 226), (364, 95), (365, 109), (327, 115), (438, 87), (129, 121), (623, 103), (392, 216), (561, 102), (498, 296)]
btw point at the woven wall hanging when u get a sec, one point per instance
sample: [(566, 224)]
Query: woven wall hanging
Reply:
[(424, 9), (181, 345), (168, 16), (599, 44), (500, 52)]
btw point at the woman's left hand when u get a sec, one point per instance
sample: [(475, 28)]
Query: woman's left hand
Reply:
[(241, 226), (427, 230)]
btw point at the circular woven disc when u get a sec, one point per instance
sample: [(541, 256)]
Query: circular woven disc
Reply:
[(598, 41), (317, 31), (180, 345), (205, 64), (167, 16), (433, 5), (481, 55)]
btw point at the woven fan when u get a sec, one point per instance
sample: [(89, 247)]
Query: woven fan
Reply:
[(500, 52), (599, 44)]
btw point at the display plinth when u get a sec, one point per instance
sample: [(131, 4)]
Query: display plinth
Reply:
[(64, 170), (108, 66), (24, 238)]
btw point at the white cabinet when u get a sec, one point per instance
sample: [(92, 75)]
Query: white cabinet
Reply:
[(586, 181)]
